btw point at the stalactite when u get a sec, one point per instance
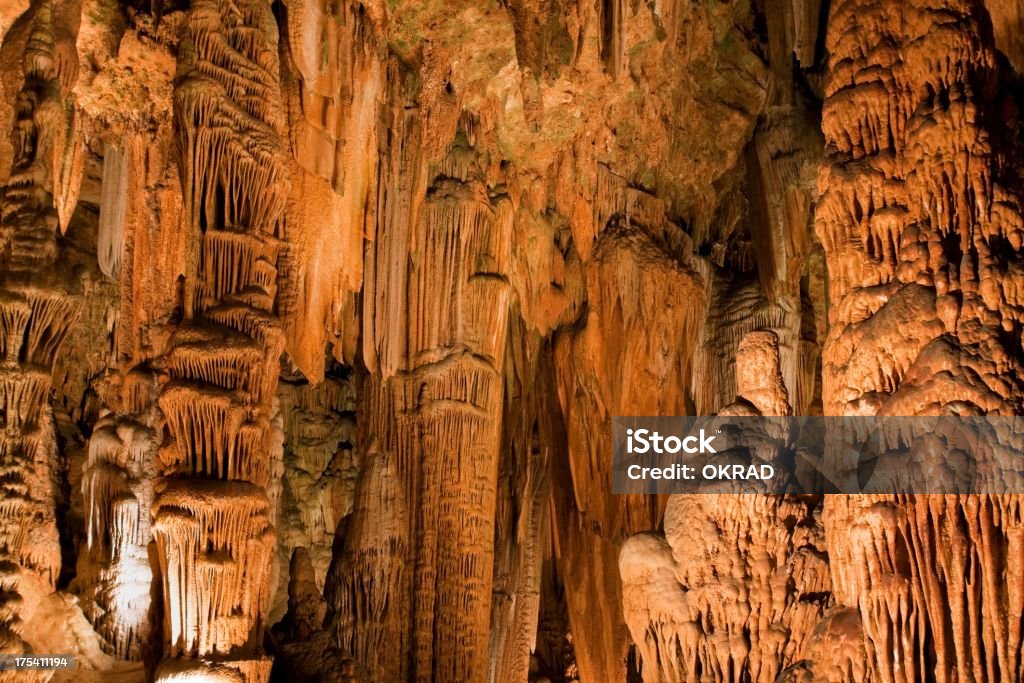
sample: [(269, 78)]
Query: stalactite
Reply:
[(784, 155), (215, 544), (113, 208), (523, 532), (613, 18), (339, 81)]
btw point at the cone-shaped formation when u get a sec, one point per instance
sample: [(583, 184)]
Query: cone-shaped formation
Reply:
[(37, 309), (214, 511), (372, 579)]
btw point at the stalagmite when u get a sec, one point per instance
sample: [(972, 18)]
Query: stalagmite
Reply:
[(371, 587), (117, 487), (738, 583)]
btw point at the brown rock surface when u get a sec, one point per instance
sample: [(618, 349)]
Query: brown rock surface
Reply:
[(315, 316)]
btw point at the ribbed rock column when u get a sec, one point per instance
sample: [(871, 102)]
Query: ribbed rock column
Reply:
[(214, 509), (412, 588)]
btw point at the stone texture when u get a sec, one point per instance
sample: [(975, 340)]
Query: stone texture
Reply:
[(315, 316)]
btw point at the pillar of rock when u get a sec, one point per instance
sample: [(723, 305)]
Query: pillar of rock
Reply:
[(38, 306), (117, 487), (141, 246), (214, 507), (920, 218), (435, 317)]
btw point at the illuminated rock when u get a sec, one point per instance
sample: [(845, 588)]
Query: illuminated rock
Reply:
[(315, 317)]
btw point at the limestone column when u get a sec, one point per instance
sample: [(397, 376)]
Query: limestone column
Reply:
[(214, 508)]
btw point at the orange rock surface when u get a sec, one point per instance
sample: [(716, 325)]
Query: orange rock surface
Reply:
[(315, 317)]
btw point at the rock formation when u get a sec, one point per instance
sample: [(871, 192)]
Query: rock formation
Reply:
[(921, 222), (739, 583), (317, 316), (320, 469), (39, 305), (214, 509)]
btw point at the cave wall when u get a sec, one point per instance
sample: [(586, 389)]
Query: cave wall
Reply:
[(315, 316)]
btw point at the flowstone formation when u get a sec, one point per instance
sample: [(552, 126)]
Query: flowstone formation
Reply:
[(921, 222), (739, 583), (316, 317)]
